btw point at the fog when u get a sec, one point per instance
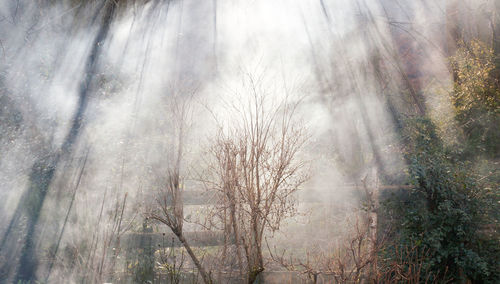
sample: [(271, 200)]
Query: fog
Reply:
[(90, 95)]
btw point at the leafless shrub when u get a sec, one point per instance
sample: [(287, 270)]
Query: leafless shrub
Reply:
[(171, 263), (347, 263), (408, 266), (353, 258), (254, 169)]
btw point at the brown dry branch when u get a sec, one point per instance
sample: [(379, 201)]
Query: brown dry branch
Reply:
[(169, 199), (356, 259), (254, 169), (349, 263), (408, 266)]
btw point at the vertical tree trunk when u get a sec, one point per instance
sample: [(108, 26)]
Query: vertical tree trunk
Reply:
[(21, 230), (495, 22), (236, 235), (372, 190), (453, 33), (256, 262)]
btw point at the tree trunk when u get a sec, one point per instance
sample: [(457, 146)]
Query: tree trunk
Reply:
[(20, 232), (253, 273), (204, 274), (495, 22), (373, 195), (453, 34), (236, 235), (256, 262)]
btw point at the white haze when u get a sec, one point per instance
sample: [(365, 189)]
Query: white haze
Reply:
[(161, 51)]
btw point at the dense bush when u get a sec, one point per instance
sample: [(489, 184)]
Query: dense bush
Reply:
[(450, 213)]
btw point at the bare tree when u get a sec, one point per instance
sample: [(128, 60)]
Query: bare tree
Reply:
[(255, 169), (169, 200), (371, 186)]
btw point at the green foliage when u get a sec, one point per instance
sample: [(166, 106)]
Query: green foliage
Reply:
[(448, 211), (453, 211), (476, 97)]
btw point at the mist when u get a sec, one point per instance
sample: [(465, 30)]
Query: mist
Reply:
[(92, 94)]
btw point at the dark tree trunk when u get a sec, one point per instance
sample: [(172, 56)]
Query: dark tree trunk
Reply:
[(206, 278), (42, 173)]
